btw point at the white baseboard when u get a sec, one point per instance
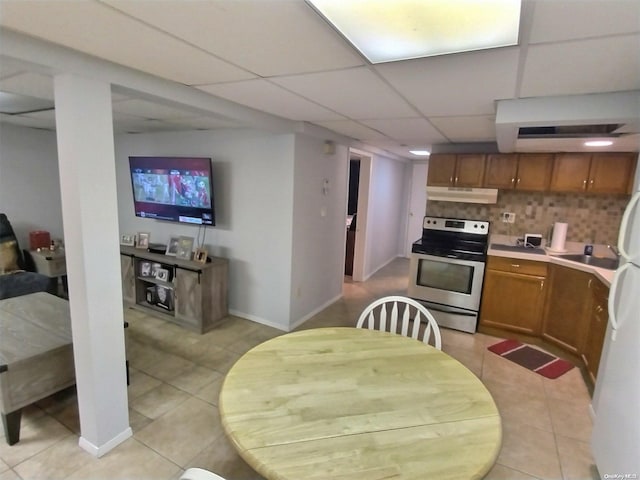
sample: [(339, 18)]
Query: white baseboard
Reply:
[(106, 447)]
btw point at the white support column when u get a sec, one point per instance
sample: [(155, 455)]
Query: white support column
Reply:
[(90, 217)]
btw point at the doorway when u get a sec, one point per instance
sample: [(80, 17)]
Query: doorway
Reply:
[(352, 211), (362, 164)]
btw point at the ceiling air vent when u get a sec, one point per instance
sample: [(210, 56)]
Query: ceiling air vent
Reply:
[(570, 131)]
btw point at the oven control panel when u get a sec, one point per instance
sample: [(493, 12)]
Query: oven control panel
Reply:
[(478, 227)]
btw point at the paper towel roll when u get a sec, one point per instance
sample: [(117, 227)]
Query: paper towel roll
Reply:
[(559, 236)]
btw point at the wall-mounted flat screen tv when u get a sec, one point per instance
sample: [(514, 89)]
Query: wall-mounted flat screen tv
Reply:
[(175, 189)]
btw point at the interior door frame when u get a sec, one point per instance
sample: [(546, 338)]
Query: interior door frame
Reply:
[(360, 250)]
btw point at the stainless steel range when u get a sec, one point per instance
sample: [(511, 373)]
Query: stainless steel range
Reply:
[(447, 269)]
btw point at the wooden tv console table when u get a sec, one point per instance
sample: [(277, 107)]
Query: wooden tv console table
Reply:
[(194, 295), (36, 354)]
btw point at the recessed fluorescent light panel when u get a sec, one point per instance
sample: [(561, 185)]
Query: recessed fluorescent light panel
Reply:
[(598, 143), (392, 30), (420, 153)]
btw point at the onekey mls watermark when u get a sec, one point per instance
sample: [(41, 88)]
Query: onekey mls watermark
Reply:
[(621, 476)]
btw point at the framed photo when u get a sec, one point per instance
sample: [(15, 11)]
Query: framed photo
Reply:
[(172, 246), (163, 275), (145, 269), (185, 245), (164, 297), (155, 267), (200, 255), (128, 239), (143, 240)]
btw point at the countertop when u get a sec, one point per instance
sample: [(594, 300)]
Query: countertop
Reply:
[(605, 275)]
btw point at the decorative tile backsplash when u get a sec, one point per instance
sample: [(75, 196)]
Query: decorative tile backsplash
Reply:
[(591, 218)]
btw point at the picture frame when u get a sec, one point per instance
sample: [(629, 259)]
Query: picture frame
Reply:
[(143, 240), (128, 240), (155, 267), (172, 246), (185, 246), (162, 274), (200, 255), (145, 269)]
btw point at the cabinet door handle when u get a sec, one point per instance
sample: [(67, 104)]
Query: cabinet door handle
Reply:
[(451, 180), (518, 181), (515, 265), (599, 309), (513, 180), (589, 284), (541, 285), (456, 180), (584, 184)]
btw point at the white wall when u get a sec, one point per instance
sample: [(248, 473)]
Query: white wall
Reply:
[(253, 183), (29, 181), (319, 226), (386, 216), (286, 259)]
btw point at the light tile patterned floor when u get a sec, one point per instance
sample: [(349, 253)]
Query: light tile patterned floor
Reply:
[(176, 376)]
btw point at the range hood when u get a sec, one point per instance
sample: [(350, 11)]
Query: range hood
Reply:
[(462, 195)]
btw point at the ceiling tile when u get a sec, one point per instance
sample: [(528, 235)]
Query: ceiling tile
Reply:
[(356, 93), (479, 128), (264, 95), (579, 67), (143, 108), (32, 84), (352, 129), (268, 38), (206, 123), (28, 121), (588, 19), (461, 84), (415, 130), (101, 31)]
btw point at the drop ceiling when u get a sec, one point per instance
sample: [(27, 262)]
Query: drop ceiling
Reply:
[(281, 59)]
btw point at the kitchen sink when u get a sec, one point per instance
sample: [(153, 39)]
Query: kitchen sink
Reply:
[(600, 262)]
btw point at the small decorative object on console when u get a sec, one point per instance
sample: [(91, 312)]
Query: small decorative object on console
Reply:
[(172, 246), (200, 255), (163, 274), (185, 246), (145, 269), (128, 239), (143, 240)]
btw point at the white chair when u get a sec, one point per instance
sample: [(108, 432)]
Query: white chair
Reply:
[(391, 306), (199, 474)]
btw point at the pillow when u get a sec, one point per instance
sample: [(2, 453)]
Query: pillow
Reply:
[(8, 257)]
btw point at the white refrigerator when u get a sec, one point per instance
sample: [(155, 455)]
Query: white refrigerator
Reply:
[(615, 440)]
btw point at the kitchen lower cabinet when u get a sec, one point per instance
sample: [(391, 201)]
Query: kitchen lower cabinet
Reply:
[(597, 327), (565, 317), (513, 295)]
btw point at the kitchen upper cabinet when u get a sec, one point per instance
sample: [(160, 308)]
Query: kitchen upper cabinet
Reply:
[(525, 171), (612, 172), (462, 170), (565, 316), (513, 295), (597, 327), (593, 173)]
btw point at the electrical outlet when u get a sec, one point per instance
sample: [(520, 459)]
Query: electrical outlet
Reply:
[(508, 217)]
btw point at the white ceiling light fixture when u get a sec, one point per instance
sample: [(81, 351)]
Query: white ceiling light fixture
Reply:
[(387, 31), (420, 153), (598, 143)]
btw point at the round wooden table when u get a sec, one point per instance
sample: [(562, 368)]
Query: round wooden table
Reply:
[(358, 404)]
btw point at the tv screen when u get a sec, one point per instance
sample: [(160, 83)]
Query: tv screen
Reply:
[(176, 189)]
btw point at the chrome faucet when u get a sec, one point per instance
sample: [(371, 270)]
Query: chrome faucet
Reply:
[(615, 251)]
